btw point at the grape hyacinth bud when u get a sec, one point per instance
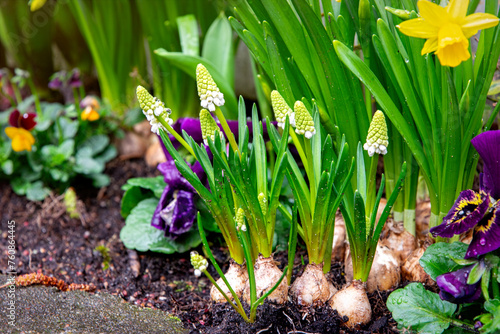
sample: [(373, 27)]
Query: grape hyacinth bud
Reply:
[(208, 126), (210, 95), (240, 220), (304, 124), (377, 139), (199, 263), (153, 109), (281, 110)]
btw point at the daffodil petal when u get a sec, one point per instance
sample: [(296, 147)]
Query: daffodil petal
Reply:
[(430, 45), (473, 23), (457, 9), (418, 28), (433, 14)]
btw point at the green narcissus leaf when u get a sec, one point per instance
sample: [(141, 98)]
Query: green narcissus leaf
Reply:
[(138, 233), (439, 258), (422, 310)]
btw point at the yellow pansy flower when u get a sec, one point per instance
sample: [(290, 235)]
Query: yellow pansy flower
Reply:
[(89, 114), (22, 139), (447, 30)]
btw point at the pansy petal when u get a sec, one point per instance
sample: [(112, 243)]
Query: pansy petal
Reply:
[(14, 118), (433, 14), (418, 28), (165, 198), (430, 45), (486, 235), (467, 211), (454, 288), (22, 141), (475, 22), (184, 213), (27, 121), (487, 145), (457, 9)]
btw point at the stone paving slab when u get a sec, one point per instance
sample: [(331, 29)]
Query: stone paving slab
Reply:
[(40, 309)]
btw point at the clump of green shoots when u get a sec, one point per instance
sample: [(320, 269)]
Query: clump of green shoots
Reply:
[(328, 173), (238, 188), (363, 229)]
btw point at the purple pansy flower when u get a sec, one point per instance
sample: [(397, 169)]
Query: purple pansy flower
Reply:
[(478, 211), (176, 210), (454, 287)]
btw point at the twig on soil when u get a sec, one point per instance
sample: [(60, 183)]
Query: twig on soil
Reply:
[(300, 332), (39, 278)]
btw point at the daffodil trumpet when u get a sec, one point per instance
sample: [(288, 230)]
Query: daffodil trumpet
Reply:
[(328, 173)]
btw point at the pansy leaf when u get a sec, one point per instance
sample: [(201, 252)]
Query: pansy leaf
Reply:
[(140, 235), (420, 309), (438, 258), (155, 184)]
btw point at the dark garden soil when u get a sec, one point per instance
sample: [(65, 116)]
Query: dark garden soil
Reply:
[(50, 242)]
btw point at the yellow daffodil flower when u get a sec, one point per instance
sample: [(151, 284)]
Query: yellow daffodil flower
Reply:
[(90, 114), (22, 139), (447, 30)]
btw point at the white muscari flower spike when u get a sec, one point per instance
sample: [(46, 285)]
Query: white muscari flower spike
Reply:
[(210, 95), (377, 139), (240, 220), (304, 123), (208, 126), (199, 263), (153, 109), (281, 110)]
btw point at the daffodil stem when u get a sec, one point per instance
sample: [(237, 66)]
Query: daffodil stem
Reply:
[(176, 135), (227, 130)]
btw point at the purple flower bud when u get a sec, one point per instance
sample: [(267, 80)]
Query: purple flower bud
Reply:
[(454, 287), (74, 80)]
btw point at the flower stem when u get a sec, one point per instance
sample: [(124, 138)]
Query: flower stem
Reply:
[(176, 135), (227, 130), (300, 149), (35, 95), (238, 308)]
